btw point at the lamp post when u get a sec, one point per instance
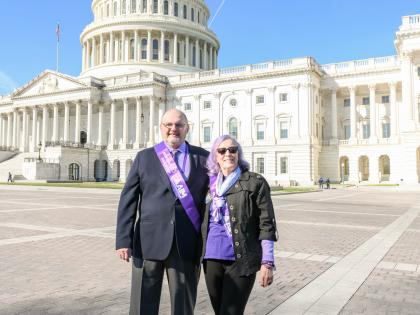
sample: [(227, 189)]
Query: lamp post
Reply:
[(39, 151)]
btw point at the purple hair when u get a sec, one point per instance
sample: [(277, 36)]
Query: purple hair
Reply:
[(213, 166)]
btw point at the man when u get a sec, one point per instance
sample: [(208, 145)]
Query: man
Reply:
[(166, 190)]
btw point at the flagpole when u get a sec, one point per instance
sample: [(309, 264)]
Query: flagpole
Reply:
[(58, 43), (57, 32)]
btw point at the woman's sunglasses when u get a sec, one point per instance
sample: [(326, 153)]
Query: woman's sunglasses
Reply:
[(232, 150)]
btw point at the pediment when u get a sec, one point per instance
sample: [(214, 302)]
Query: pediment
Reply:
[(49, 82)]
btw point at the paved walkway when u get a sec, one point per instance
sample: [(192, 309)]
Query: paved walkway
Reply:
[(352, 251)]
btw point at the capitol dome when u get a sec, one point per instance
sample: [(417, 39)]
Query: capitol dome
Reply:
[(164, 36)]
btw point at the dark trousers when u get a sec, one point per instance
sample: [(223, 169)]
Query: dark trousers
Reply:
[(146, 284), (228, 293)]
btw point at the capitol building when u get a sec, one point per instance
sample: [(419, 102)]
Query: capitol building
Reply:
[(297, 120)]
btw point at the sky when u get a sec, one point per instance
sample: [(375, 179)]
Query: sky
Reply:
[(249, 32)]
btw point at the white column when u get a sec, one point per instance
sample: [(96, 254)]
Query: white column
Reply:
[(151, 141), (334, 114), (197, 53), (100, 124), (205, 56), (248, 138), (94, 63), (111, 48), (18, 133), (136, 46), (88, 55), (372, 113), (407, 92), (187, 51), (77, 123), (353, 126), (66, 122), (271, 128), (1, 130), (215, 58), (149, 46), (162, 47), (44, 125), (112, 125), (125, 123), (55, 123), (34, 143), (211, 58), (84, 57), (196, 132), (175, 48), (393, 100), (123, 50), (101, 49), (14, 129), (24, 135), (138, 122), (89, 123)]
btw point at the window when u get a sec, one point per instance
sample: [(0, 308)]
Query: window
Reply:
[(107, 10), (144, 49), (133, 6), (386, 130), (187, 106), (185, 11), (346, 102), (123, 7), (260, 165), (346, 132), (166, 50), (366, 131), (74, 171), (284, 165), (260, 99), (207, 105), (366, 100), (166, 7), (283, 97), (233, 127), (385, 99), (284, 130), (206, 134), (144, 6), (260, 131), (176, 9), (198, 16), (233, 102), (192, 14), (155, 54), (115, 9), (155, 6), (132, 49)]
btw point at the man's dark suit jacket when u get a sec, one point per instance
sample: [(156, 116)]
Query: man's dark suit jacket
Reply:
[(148, 195)]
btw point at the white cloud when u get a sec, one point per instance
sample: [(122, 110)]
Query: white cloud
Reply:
[(7, 85)]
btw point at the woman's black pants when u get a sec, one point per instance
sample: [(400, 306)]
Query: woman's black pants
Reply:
[(228, 293)]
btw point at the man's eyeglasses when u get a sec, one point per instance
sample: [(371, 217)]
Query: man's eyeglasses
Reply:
[(176, 126), (232, 150)]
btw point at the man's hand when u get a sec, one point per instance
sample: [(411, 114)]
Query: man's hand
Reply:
[(266, 276), (124, 254)]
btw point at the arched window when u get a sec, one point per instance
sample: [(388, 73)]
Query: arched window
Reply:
[(74, 171), (123, 6), (166, 7), (194, 53), (144, 9), (133, 6), (115, 9), (185, 11), (192, 14), (155, 6), (116, 170), (176, 9), (132, 52), (233, 127), (107, 10), (166, 50), (155, 49), (144, 49)]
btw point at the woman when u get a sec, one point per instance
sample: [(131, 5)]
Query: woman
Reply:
[(238, 230)]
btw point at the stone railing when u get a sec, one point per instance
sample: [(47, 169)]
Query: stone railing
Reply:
[(10, 148), (43, 160), (344, 142), (133, 78), (410, 22), (239, 71), (361, 65)]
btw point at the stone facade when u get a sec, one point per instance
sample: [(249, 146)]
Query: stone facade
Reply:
[(357, 121)]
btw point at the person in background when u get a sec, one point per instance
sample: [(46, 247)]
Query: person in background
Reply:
[(239, 229)]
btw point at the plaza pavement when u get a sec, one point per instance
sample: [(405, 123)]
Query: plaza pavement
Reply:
[(341, 251)]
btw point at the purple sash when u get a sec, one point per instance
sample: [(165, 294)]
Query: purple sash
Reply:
[(178, 183), (224, 212)]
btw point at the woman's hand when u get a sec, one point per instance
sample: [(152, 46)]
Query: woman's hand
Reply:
[(266, 276)]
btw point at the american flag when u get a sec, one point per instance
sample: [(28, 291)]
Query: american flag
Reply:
[(57, 32)]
